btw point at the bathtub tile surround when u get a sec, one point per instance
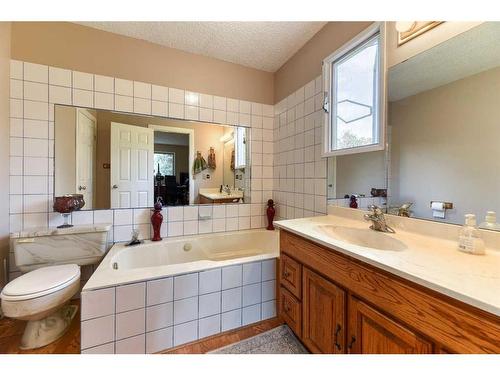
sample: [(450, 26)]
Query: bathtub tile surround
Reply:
[(35, 90), (152, 316), (299, 170)]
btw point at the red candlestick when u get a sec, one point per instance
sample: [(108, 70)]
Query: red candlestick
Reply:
[(270, 214), (156, 220)]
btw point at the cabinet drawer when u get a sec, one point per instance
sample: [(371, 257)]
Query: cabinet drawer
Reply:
[(291, 311), (291, 275)]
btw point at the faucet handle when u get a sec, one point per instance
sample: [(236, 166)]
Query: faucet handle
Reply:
[(135, 235)]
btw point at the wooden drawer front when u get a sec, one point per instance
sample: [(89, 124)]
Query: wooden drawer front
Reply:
[(462, 328), (290, 311), (291, 275)]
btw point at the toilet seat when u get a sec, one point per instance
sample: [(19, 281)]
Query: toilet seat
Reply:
[(41, 282)]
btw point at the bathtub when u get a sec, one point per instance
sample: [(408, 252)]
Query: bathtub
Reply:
[(157, 295)]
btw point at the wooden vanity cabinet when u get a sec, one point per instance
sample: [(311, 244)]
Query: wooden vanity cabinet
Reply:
[(337, 304)]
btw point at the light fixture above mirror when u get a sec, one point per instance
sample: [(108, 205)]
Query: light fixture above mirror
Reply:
[(408, 30)]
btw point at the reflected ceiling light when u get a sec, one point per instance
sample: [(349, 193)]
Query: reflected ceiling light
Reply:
[(405, 26), (191, 98)]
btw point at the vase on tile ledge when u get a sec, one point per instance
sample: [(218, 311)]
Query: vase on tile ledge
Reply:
[(271, 211), (156, 220)]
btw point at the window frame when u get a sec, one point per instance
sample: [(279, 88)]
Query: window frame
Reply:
[(237, 151), (173, 160), (329, 85)]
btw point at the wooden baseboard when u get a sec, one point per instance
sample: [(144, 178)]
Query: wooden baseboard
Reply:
[(220, 340)]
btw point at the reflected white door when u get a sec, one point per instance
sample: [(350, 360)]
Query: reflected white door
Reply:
[(132, 153), (85, 155)]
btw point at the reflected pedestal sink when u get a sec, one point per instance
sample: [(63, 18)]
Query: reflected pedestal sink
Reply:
[(362, 237)]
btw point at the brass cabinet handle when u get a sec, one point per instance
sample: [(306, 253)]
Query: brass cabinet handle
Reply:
[(286, 307), (353, 340), (336, 339)]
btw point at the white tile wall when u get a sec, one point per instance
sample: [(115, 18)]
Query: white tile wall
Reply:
[(34, 91), (299, 172), (172, 315)]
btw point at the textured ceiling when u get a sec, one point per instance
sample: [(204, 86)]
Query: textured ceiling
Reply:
[(261, 45), (471, 52)]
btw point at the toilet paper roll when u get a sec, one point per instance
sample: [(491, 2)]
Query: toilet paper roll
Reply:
[(437, 206)]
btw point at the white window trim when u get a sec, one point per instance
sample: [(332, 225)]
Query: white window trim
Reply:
[(377, 27)]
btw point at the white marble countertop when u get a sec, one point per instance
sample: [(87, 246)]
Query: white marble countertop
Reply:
[(428, 260), (223, 195), (53, 231)]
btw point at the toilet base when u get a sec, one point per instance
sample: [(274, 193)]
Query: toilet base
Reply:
[(42, 332)]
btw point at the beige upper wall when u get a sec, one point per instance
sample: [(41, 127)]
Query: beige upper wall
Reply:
[(5, 31), (85, 49), (305, 65)]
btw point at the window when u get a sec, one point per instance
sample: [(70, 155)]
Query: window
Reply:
[(165, 163), (355, 95), (240, 146)]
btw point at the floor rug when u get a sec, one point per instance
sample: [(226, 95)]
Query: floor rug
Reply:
[(279, 340)]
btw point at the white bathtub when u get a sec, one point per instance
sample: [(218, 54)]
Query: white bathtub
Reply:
[(168, 293), (173, 256)]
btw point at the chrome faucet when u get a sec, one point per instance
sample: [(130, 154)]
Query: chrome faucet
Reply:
[(378, 220), (135, 238), (226, 189)]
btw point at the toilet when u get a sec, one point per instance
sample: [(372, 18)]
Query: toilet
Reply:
[(50, 260)]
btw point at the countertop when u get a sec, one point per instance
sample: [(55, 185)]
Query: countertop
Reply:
[(428, 260), (217, 195)]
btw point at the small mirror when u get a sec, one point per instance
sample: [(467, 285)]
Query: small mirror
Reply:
[(121, 160), (357, 180)]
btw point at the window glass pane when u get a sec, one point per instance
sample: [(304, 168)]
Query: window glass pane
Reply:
[(240, 146), (164, 162), (355, 97)]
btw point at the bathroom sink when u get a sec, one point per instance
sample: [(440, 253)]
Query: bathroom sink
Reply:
[(362, 237)]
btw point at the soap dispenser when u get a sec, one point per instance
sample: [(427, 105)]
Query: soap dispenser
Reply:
[(490, 221), (469, 239)]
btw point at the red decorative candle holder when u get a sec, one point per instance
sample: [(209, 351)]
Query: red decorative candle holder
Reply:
[(271, 211), (156, 220)]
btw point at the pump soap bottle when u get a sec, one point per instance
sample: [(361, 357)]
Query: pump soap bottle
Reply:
[(469, 239)]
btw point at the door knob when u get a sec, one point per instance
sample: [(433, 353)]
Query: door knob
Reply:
[(115, 186)]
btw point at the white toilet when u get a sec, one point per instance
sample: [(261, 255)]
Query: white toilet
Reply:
[(50, 260)]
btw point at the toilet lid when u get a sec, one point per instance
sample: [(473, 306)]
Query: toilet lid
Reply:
[(42, 281)]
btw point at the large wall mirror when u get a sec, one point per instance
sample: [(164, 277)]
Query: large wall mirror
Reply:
[(442, 158), (121, 160), (444, 116)]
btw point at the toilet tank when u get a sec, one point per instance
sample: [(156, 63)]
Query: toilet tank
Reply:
[(50, 246)]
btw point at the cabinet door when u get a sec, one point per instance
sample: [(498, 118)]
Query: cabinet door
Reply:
[(371, 332), (323, 307)]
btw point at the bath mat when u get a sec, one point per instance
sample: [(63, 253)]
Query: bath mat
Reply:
[(279, 340)]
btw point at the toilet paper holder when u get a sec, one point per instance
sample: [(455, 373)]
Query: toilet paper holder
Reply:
[(446, 205)]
